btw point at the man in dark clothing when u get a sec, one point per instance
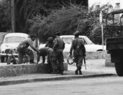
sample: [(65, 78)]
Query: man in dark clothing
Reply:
[(79, 52), (52, 62), (58, 48), (23, 49), (49, 42), (49, 57)]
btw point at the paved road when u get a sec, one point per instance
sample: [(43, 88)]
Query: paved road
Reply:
[(90, 86)]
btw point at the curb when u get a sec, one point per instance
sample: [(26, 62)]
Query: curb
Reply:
[(2, 83)]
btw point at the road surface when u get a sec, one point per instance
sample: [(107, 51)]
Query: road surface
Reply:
[(85, 86)]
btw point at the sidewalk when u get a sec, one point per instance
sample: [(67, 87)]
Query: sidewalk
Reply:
[(95, 68)]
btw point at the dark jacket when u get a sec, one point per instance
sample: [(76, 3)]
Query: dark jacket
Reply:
[(58, 44), (78, 47)]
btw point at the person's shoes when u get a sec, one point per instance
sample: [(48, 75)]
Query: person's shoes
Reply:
[(76, 72)]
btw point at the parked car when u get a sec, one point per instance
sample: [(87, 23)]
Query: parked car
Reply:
[(89, 45), (11, 41), (2, 34)]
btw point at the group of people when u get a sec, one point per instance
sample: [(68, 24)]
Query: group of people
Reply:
[(54, 52)]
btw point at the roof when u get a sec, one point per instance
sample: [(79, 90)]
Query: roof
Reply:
[(71, 36), (17, 34), (116, 11)]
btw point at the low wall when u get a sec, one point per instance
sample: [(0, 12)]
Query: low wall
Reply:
[(97, 55), (108, 62), (15, 70)]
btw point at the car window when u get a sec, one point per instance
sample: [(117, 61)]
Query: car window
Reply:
[(13, 39), (87, 40), (2, 37), (83, 40), (67, 40)]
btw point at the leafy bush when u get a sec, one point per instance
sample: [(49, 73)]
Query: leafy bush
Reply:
[(66, 20)]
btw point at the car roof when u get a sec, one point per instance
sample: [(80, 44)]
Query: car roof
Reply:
[(116, 11), (71, 36), (17, 34)]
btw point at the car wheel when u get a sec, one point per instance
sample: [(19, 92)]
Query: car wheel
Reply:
[(119, 69), (2, 59)]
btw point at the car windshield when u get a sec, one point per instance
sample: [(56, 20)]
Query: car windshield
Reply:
[(68, 40), (88, 41), (14, 39)]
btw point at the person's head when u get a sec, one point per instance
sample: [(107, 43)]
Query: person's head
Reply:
[(77, 33), (33, 37), (57, 33), (50, 39)]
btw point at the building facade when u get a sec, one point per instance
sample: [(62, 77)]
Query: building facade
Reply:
[(116, 4)]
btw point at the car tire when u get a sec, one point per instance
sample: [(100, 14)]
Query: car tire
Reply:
[(119, 69), (2, 59)]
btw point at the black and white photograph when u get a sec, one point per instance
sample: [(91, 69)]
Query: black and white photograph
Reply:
[(61, 47)]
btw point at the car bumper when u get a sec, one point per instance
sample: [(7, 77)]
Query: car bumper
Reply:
[(3, 54)]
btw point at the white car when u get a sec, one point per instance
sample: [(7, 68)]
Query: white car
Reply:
[(89, 45), (11, 41)]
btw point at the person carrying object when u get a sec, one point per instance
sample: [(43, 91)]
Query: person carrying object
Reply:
[(79, 52)]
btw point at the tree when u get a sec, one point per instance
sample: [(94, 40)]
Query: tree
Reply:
[(65, 20), (27, 9), (5, 16)]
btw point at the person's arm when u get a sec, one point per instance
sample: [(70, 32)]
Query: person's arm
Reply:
[(71, 49), (63, 46), (31, 45), (84, 49), (55, 44), (46, 44)]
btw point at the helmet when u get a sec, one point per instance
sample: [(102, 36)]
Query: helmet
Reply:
[(32, 35), (50, 39)]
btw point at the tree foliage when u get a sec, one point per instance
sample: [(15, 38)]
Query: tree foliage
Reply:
[(5, 16), (27, 9), (68, 19), (65, 20)]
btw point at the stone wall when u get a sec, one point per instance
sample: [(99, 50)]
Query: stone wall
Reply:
[(16, 70)]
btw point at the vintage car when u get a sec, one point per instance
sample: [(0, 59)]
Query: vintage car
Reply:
[(11, 41), (89, 45)]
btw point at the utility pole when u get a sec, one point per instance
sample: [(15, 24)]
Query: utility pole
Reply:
[(12, 16)]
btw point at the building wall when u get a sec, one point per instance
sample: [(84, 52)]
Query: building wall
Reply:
[(102, 2)]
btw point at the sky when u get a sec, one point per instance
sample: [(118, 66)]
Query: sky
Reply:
[(101, 2)]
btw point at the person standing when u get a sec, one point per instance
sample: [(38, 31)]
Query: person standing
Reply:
[(79, 51), (23, 49), (58, 48)]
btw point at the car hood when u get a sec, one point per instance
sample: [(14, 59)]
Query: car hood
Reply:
[(41, 46), (5, 46), (89, 47)]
